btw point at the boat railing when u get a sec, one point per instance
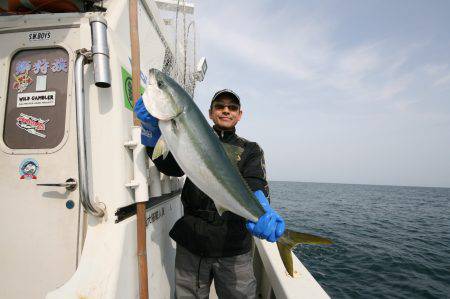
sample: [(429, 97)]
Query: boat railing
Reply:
[(272, 275), (94, 208)]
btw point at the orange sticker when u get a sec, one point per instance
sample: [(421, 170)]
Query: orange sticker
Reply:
[(22, 81)]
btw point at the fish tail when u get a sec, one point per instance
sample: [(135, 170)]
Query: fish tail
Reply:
[(290, 239)]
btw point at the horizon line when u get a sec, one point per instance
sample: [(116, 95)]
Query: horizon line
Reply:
[(364, 184)]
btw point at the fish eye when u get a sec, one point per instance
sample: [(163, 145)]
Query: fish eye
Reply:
[(160, 84)]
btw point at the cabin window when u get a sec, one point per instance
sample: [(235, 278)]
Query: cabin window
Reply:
[(35, 113)]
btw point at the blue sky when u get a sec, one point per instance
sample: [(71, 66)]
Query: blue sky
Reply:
[(336, 91)]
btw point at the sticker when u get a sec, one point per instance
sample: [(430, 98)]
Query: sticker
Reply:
[(28, 169), (23, 66), (41, 83), (40, 66), (32, 124), (36, 99), (60, 64), (21, 82), (128, 90), (39, 36), (70, 204)]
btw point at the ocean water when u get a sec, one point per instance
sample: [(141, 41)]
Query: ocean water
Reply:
[(390, 242)]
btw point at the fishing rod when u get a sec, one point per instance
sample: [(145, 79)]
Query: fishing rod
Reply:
[(140, 206)]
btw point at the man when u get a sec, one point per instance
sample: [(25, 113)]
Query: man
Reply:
[(208, 245)]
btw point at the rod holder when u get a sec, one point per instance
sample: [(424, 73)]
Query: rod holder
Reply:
[(100, 51)]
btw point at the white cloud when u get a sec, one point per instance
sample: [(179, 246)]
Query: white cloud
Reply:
[(443, 81), (341, 92), (396, 86), (439, 73), (303, 49), (273, 54), (360, 60), (435, 69)]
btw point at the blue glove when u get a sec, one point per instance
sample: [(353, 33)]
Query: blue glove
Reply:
[(150, 132), (269, 226)]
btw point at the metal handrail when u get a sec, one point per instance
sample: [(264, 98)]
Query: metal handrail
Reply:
[(95, 208)]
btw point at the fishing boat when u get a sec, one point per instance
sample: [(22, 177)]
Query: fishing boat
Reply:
[(74, 174)]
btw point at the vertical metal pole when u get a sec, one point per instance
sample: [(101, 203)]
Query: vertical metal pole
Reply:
[(140, 206), (96, 209)]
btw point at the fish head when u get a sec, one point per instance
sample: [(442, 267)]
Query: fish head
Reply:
[(163, 96)]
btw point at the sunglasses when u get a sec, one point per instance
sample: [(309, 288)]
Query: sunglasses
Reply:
[(231, 107)]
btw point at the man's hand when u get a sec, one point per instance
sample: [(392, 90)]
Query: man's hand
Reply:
[(150, 132), (269, 226)]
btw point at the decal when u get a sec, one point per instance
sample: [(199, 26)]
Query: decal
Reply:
[(31, 124), (128, 90), (28, 169), (36, 99), (23, 66), (40, 66), (60, 64), (37, 36), (22, 81), (155, 216), (70, 204), (41, 83)]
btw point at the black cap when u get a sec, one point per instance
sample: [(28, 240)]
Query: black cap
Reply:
[(228, 92)]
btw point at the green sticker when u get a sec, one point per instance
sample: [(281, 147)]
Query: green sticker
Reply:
[(128, 89)]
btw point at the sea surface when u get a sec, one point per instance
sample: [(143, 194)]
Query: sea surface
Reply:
[(390, 242)]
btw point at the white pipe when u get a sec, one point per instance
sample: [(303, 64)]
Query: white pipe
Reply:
[(174, 184), (139, 166), (154, 180), (165, 184)]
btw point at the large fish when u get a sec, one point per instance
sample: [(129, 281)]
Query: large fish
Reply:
[(205, 160)]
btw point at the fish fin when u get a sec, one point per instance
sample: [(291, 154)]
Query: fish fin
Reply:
[(220, 210), (286, 257), (165, 153), (290, 239), (233, 152), (160, 149), (174, 126)]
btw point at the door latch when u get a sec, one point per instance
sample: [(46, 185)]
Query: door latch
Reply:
[(70, 184)]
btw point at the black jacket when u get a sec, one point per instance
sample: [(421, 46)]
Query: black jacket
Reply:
[(201, 230)]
